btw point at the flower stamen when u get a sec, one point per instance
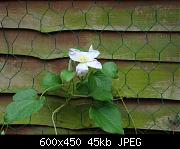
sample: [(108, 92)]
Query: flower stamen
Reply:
[(83, 59)]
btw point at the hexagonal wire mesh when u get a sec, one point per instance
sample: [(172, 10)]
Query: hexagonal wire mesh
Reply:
[(142, 38)]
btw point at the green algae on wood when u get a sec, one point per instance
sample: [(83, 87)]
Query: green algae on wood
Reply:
[(146, 114), (104, 15), (46, 130), (120, 46), (136, 79)]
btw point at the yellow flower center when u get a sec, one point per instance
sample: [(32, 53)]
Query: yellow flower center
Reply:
[(83, 58)]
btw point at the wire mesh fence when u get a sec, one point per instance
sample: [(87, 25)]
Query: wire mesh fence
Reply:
[(141, 37)]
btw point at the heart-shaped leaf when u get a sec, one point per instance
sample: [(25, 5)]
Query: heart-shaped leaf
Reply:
[(100, 86), (82, 87), (51, 81), (107, 116), (25, 94), (110, 69), (67, 75), (24, 104)]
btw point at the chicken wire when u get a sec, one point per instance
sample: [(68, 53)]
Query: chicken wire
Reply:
[(12, 63)]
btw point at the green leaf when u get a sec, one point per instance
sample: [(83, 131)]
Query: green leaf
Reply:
[(110, 69), (25, 103), (107, 116), (51, 81), (102, 95), (82, 88), (100, 86), (67, 75), (25, 94)]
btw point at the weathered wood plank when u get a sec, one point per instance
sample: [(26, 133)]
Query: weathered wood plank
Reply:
[(121, 46), (45, 130), (50, 16), (147, 114), (136, 79)]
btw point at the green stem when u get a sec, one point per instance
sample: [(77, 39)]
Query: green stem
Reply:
[(6, 129), (54, 112), (49, 89), (69, 65), (128, 112), (69, 85), (46, 91), (83, 96), (74, 85), (2, 126), (87, 75)]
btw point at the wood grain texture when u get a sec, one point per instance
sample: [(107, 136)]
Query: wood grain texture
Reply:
[(142, 37), (50, 16), (48, 130), (112, 45), (147, 114), (136, 79)]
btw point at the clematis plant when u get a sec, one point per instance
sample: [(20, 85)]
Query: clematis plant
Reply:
[(85, 77)]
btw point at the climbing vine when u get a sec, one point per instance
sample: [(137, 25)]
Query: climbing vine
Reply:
[(84, 77)]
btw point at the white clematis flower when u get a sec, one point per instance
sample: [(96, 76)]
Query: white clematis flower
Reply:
[(85, 59)]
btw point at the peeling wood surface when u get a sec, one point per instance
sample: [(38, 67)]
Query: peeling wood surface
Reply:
[(141, 37), (136, 79), (120, 46), (45, 130), (50, 16), (147, 114)]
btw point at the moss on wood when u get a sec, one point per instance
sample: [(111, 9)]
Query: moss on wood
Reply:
[(120, 46), (104, 15), (136, 79), (146, 114)]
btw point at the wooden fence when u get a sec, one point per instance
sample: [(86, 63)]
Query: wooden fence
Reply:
[(142, 37)]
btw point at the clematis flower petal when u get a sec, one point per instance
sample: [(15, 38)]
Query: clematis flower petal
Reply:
[(85, 59), (94, 64), (74, 54), (74, 50), (81, 69), (80, 56), (93, 53)]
